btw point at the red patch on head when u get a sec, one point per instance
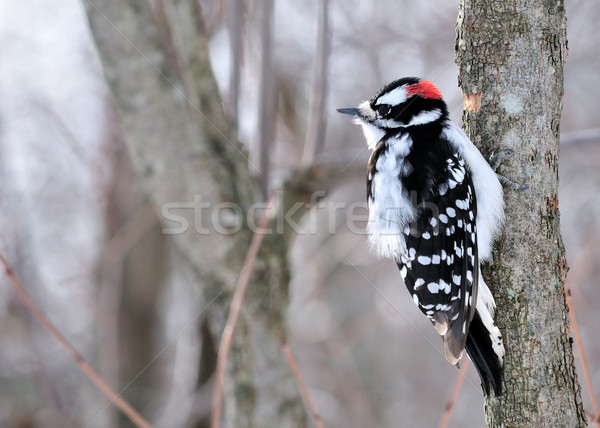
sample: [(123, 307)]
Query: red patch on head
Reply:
[(425, 89)]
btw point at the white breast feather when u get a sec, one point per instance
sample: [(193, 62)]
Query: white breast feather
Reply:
[(373, 134), (390, 208)]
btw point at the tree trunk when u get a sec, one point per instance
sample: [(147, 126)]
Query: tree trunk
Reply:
[(155, 60), (510, 56)]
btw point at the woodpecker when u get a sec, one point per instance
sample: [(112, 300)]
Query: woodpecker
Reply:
[(435, 206)]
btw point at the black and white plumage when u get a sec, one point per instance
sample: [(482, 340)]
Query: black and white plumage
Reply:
[(435, 206)]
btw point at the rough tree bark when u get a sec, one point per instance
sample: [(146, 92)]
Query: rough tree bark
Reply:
[(510, 56), (155, 60)]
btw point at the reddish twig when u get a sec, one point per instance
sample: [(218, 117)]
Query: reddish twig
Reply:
[(582, 269), (111, 394), (586, 371), (454, 395), (301, 385), (234, 312), (592, 418)]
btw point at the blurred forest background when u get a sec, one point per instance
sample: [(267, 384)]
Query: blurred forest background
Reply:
[(89, 247)]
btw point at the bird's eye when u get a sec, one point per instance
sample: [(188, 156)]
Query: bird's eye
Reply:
[(384, 110)]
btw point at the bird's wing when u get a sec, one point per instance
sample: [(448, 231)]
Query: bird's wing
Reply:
[(441, 268)]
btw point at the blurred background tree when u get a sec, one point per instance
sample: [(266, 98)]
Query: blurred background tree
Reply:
[(83, 232)]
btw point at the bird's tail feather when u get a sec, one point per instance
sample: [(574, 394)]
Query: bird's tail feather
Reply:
[(482, 348)]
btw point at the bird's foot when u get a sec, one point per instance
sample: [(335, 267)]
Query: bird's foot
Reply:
[(496, 158)]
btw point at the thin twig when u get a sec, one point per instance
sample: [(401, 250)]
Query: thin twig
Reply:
[(301, 385), (111, 394), (586, 370), (315, 132), (267, 100), (235, 23), (236, 305), (582, 269), (455, 391), (592, 418)]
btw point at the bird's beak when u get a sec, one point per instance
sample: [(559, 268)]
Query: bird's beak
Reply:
[(348, 111)]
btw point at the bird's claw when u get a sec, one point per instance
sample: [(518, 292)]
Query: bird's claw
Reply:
[(496, 158)]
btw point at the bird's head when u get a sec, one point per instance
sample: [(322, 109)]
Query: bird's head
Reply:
[(402, 103)]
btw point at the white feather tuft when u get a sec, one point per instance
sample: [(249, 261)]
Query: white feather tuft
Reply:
[(373, 134)]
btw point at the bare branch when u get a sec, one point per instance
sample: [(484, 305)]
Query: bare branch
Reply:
[(110, 393), (581, 269), (454, 395), (266, 96), (315, 132), (586, 370), (302, 385), (235, 24), (236, 306)]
